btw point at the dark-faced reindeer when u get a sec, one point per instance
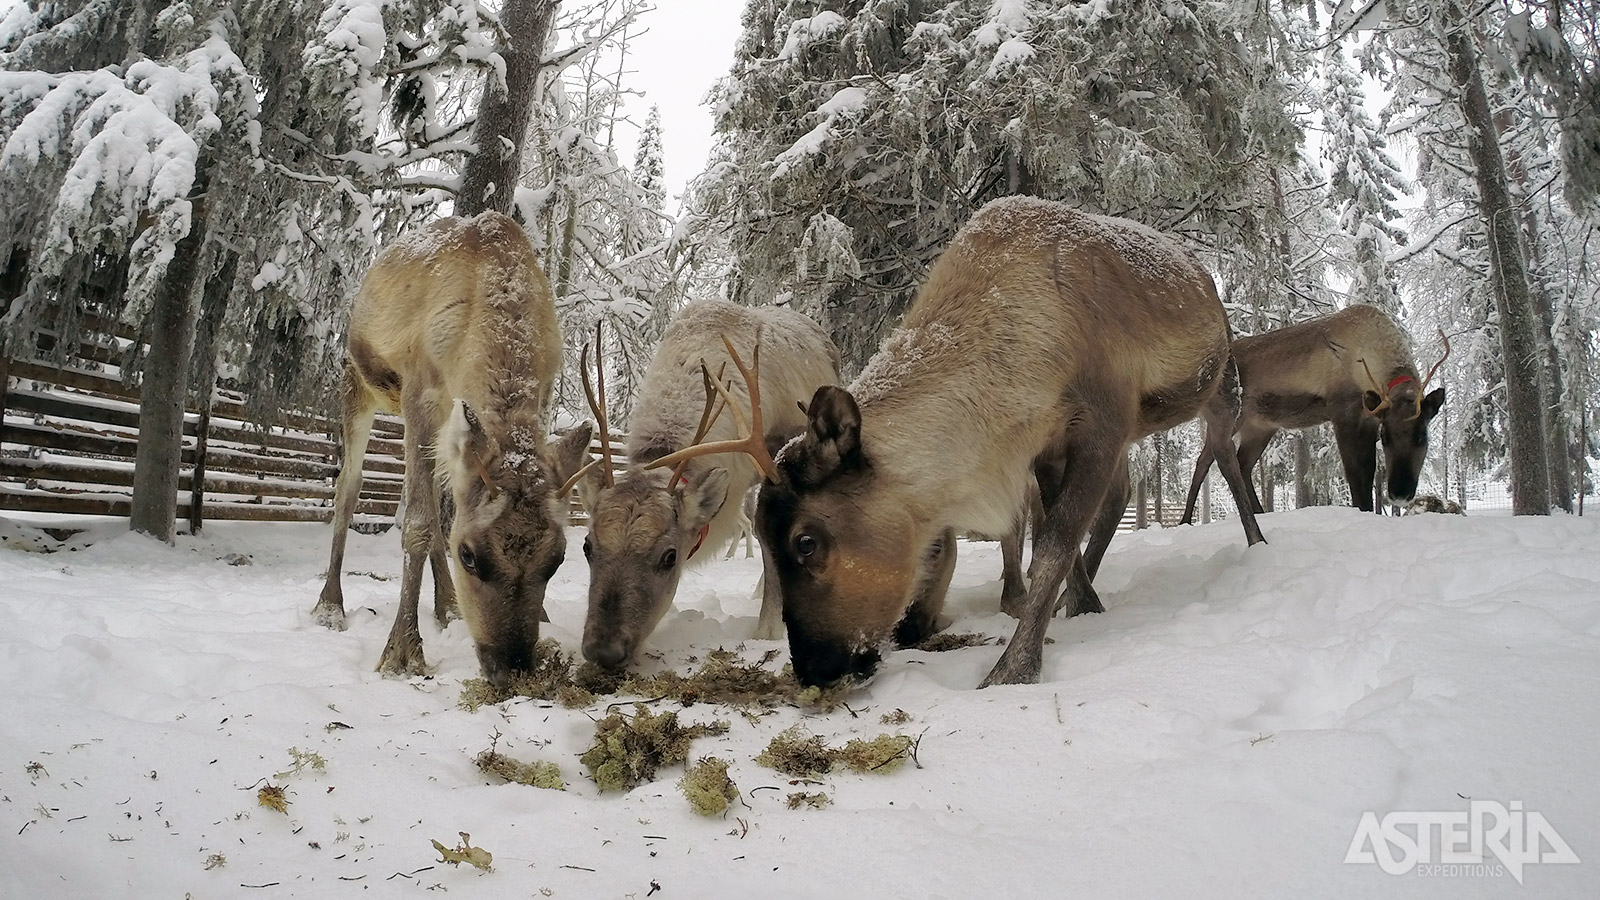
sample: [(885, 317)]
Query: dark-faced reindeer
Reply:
[(1352, 368), (651, 522), (1044, 342), (454, 328)]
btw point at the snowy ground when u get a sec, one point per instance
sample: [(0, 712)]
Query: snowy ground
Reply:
[(1219, 732)]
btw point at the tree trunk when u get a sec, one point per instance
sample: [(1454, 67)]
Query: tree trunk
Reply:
[(489, 179), (1530, 477), (1302, 471), (165, 385), (1141, 518), (203, 377)]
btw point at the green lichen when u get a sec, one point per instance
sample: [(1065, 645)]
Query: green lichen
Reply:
[(799, 754), (945, 641), (708, 786), (627, 752), (537, 774)]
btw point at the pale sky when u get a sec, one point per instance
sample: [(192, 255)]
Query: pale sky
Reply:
[(686, 47)]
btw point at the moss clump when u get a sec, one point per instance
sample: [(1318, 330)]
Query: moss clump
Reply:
[(898, 717), (537, 774), (574, 697), (802, 755), (884, 753), (302, 760), (597, 680), (940, 643), (708, 786), (552, 671), (723, 678), (797, 753), (813, 800), (272, 797), (627, 752)]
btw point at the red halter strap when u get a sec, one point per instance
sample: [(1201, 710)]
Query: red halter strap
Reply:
[(1398, 380), (704, 530)]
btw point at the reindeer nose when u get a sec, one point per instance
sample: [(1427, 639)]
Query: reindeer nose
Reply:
[(607, 655)]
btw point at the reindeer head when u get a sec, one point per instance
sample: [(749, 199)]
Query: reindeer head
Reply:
[(1403, 408), (642, 530), (505, 530), (847, 549)]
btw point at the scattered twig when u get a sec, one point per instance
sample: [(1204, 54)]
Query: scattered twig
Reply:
[(579, 868), (267, 885), (653, 887), (357, 878), (915, 746), (765, 787)]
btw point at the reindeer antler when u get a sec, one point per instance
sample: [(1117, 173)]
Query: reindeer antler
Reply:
[(753, 439), (1423, 391), (599, 409), (708, 417), (1383, 394)]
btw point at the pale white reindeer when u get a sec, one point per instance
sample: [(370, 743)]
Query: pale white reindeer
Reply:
[(647, 524), (1044, 338), (454, 328)]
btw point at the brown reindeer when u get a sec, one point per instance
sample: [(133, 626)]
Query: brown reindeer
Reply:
[(455, 329), (648, 524), (1352, 368), (1044, 338)]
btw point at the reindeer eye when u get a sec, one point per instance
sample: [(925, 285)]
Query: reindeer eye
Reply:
[(669, 558), (588, 551), (805, 545), (469, 560)]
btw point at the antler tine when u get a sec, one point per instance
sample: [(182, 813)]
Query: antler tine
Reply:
[(577, 476), (754, 440), (1423, 392), (598, 408), (1445, 339), (1382, 394), (707, 416)]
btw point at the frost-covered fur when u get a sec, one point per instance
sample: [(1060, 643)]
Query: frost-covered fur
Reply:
[(641, 534), (455, 329), (1044, 339), (1316, 371)]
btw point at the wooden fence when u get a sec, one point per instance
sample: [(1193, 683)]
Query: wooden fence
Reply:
[(68, 437)]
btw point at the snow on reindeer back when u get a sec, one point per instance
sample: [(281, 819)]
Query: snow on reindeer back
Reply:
[(1026, 225)]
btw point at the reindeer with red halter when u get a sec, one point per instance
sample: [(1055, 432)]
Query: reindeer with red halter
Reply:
[(1352, 368)]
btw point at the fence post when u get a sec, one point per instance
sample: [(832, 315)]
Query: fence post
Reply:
[(197, 480)]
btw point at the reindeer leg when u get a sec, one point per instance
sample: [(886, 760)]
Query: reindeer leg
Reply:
[(1013, 588), (1358, 451), (927, 599), (445, 609), (1105, 524), (1094, 451), (1236, 472), (402, 655), (1202, 465), (357, 414)]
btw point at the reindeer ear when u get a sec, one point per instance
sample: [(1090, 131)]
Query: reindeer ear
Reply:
[(466, 447), (1431, 403), (1370, 400), (568, 453), (833, 432), (703, 497)]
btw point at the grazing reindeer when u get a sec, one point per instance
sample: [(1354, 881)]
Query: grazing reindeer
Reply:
[(1428, 503), (1045, 338), (648, 524), (455, 329), (1329, 369)]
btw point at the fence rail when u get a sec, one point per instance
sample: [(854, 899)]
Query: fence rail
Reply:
[(68, 438)]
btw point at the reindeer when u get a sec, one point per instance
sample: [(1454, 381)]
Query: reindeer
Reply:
[(455, 329), (1044, 337), (647, 524), (1328, 369)]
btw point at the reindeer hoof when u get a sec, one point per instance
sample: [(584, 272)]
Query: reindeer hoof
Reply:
[(769, 631), (403, 659), (1004, 673), (329, 615)]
